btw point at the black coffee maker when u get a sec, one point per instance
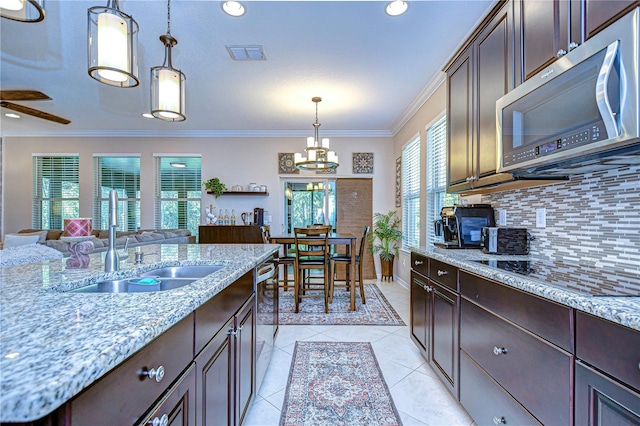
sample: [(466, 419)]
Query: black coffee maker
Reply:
[(461, 226), (258, 216)]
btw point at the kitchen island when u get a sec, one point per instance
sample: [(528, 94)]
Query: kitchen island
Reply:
[(55, 342)]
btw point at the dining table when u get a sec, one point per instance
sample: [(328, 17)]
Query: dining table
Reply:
[(335, 238)]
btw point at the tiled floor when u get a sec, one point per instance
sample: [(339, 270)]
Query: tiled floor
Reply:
[(418, 394)]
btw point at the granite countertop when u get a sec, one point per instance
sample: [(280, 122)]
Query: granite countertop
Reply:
[(55, 343), (624, 310)]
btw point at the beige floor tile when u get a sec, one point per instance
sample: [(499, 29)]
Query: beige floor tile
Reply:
[(420, 397)]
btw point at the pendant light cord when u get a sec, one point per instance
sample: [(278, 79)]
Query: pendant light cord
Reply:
[(169, 17)]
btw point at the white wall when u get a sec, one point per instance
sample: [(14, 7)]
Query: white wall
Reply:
[(428, 112), (233, 160)]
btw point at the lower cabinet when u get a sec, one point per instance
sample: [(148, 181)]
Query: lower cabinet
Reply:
[(602, 401), (607, 390), (225, 371), (435, 322), (178, 406)]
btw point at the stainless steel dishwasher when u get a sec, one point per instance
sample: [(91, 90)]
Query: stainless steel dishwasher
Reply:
[(266, 285)]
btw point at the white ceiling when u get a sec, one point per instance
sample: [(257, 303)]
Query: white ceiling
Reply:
[(371, 70)]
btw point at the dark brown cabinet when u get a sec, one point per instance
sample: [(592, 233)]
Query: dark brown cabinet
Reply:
[(435, 318), (225, 371), (551, 29), (481, 74), (607, 389), (242, 234), (178, 406)]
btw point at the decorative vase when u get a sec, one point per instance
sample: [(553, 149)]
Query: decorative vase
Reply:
[(387, 268)]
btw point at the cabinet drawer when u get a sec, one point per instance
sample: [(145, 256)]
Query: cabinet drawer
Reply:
[(124, 394), (444, 274), (534, 372), (211, 316), (420, 263), (485, 400), (611, 347), (547, 319)]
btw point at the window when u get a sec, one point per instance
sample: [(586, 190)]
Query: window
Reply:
[(178, 192), (411, 194), (123, 175), (56, 190), (437, 175)]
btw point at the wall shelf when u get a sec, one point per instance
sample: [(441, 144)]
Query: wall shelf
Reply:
[(254, 193)]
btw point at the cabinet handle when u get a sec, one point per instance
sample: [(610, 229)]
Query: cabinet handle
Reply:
[(441, 273), (418, 262), (573, 45), (162, 421), (428, 288), (499, 420), (156, 373), (561, 53), (232, 332), (499, 351)]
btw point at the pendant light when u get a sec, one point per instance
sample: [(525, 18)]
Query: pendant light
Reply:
[(22, 10), (113, 46), (318, 156), (168, 83)]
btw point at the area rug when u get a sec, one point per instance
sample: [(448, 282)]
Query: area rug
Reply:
[(337, 383), (377, 310)]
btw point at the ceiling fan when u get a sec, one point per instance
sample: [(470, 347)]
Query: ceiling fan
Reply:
[(28, 95)]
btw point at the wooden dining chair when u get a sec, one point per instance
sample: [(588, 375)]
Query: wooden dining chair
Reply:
[(312, 253), (285, 259), (345, 259)]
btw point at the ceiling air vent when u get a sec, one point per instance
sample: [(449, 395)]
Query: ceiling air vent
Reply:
[(246, 53)]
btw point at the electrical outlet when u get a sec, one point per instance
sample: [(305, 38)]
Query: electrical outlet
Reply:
[(541, 217), (502, 217)]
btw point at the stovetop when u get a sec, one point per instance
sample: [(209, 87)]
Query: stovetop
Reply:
[(591, 280)]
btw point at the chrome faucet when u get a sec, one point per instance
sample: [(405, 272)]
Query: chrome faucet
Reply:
[(111, 259)]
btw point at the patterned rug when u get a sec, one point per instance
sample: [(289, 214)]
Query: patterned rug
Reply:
[(337, 383), (377, 310)]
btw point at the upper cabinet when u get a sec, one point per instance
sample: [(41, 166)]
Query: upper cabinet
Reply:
[(480, 75), (551, 29)]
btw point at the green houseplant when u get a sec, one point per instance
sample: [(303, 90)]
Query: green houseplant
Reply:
[(382, 240), (215, 186)]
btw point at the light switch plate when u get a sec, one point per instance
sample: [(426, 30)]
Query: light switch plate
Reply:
[(541, 217)]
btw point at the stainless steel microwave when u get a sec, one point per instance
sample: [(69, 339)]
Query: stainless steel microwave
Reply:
[(578, 115)]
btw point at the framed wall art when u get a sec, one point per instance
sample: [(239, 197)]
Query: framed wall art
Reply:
[(286, 165), (362, 162), (398, 182)]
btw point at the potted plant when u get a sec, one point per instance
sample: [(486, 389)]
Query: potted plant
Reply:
[(383, 240), (215, 187)]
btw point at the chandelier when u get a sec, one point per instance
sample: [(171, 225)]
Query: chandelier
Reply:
[(113, 46), (22, 10), (318, 156), (168, 83)]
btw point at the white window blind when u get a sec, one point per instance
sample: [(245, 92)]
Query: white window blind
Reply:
[(437, 175), (411, 194), (178, 191), (56, 191), (123, 175)]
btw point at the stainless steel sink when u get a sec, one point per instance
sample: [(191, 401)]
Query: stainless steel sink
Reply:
[(161, 279), (130, 285), (194, 271)]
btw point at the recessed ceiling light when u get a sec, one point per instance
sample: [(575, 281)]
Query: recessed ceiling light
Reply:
[(396, 7), (178, 164), (12, 115), (233, 8), (147, 115)]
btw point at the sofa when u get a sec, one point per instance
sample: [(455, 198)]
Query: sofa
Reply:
[(51, 238)]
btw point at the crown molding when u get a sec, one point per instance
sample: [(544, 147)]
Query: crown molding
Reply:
[(202, 134)]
